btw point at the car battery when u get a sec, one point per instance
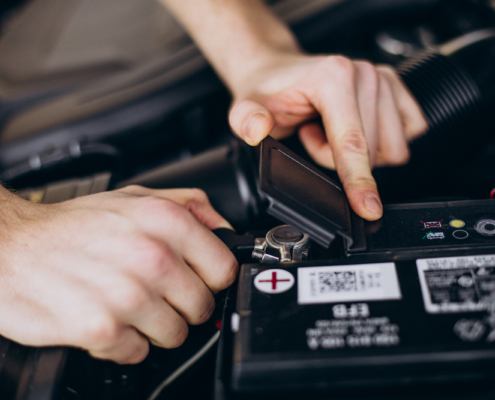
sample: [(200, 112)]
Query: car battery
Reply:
[(407, 311)]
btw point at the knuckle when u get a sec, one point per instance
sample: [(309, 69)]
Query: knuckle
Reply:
[(423, 126), (418, 128), (199, 199), (102, 331), (205, 311), (152, 259), (360, 182), (368, 70), (130, 298), (199, 195), (229, 273), (341, 62), (139, 354), (398, 157), (150, 205), (354, 141), (153, 208), (133, 188), (176, 214), (386, 69), (340, 65), (179, 336)]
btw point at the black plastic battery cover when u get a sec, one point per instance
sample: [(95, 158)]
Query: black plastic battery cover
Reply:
[(302, 196)]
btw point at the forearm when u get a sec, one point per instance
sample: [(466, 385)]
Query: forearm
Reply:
[(237, 36)]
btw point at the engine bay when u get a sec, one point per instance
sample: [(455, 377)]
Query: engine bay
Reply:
[(327, 305)]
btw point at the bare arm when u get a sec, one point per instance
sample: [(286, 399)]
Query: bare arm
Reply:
[(237, 37), (368, 115)]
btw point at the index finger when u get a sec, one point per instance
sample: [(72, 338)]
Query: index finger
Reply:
[(195, 200), (337, 103), (203, 251)]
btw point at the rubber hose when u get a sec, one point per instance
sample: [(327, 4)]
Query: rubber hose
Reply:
[(455, 88)]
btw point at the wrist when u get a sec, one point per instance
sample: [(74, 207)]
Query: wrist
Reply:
[(13, 210)]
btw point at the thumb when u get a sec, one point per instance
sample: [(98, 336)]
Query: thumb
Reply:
[(251, 121)]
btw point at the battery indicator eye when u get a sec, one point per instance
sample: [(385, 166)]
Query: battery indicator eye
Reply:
[(457, 223)]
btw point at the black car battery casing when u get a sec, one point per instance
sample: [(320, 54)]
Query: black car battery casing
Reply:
[(388, 342), (410, 310)]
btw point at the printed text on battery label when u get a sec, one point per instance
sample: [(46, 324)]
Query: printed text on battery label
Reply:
[(353, 333), (457, 284)]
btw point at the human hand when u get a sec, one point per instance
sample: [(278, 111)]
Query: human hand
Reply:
[(110, 271), (368, 116)]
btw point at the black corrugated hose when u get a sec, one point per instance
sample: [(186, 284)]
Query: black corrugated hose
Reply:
[(455, 88)]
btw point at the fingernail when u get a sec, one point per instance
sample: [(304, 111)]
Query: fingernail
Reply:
[(372, 203), (251, 125), (225, 224)]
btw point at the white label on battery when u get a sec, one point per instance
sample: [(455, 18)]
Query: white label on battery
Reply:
[(457, 284), (336, 284)]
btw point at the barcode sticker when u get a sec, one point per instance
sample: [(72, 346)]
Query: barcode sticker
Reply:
[(335, 284)]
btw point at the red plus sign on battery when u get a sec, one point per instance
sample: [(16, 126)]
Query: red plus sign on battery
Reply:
[(274, 280)]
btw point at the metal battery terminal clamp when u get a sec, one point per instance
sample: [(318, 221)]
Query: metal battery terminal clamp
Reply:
[(283, 243)]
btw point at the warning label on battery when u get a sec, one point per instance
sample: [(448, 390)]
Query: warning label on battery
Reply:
[(346, 283), (457, 284)]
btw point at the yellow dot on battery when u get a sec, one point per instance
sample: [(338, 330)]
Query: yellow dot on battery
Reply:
[(457, 223)]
